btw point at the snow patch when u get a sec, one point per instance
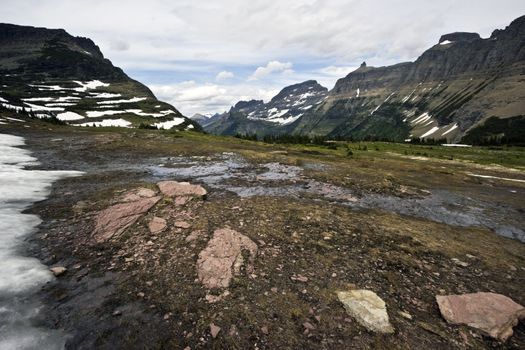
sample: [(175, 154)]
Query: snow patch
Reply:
[(103, 95), (454, 127), (430, 132), (170, 124), (109, 122), (69, 116), (131, 100)]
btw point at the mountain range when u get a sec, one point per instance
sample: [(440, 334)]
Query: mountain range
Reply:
[(48, 72), (463, 88)]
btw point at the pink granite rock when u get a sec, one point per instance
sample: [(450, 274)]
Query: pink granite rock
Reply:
[(493, 314)]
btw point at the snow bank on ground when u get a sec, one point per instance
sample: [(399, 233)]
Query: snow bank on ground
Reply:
[(109, 122), (21, 276), (170, 124)]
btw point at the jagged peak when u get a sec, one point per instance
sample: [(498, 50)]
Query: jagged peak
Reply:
[(459, 36), (250, 103)]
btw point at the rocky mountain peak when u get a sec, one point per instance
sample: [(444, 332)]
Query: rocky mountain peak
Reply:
[(459, 36), (241, 105), (309, 86)]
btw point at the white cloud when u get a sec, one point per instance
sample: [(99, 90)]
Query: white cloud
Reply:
[(272, 67), (119, 45), (191, 97), (336, 71), (224, 75)]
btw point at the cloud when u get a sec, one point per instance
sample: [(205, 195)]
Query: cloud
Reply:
[(224, 75), (119, 45), (336, 71), (272, 67), (191, 97)]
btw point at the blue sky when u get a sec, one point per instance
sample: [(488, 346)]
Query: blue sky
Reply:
[(203, 56)]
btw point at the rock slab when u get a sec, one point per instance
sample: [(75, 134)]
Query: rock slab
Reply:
[(366, 308), (491, 313), (181, 189), (114, 220), (222, 258)]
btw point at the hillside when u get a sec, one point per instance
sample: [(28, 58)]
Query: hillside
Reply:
[(449, 92), (49, 72)]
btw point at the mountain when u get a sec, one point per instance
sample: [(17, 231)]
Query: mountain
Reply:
[(49, 72), (464, 87), (204, 119), (255, 116)]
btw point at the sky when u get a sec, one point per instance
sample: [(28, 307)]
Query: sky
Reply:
[(204, 56)]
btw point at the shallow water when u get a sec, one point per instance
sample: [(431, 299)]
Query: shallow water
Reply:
[(21, 277), (230, 172)]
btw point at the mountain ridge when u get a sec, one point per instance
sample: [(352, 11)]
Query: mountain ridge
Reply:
[(451, 89)]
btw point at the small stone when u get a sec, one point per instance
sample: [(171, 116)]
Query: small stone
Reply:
[(117, 313), (182, 224), (308, 326), (459, 262), (141, 294), (264, 329), (58, 270), (299, 278), (405, 315), (157, 225), (214, 330), (193, 236)]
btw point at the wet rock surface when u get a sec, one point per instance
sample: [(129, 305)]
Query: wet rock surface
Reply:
[(491, 313)]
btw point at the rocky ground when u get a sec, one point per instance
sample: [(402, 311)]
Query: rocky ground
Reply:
[(248, 256)]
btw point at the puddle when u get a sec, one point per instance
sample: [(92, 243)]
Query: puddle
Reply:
[(231, 172)]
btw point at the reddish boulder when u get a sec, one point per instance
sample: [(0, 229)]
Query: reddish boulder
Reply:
[(491, 313)]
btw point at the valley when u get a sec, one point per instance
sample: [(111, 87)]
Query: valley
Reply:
[(407, 221)]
